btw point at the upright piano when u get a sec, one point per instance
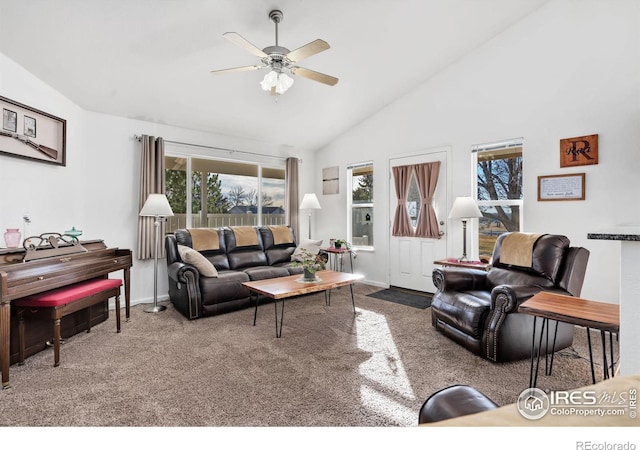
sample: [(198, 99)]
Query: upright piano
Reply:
[(19, 279)]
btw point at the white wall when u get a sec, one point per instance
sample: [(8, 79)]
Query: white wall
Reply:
[(569, 69), (97, 190)]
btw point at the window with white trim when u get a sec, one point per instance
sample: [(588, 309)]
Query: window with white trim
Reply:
[(498, 188), (360, 204)]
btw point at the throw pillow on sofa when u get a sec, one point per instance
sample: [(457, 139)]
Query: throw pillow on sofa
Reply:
[(309, 245), (191, 256)]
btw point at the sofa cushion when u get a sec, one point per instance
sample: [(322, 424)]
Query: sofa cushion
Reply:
[(498, 276), (548, 255), (265, 272), (195, 258), (311, 246), (227, 286), (278, 242)]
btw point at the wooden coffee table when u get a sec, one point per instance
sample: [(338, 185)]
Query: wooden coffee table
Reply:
[(281, 288)]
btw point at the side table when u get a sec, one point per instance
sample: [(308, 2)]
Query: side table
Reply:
[(336, 258), (577, 311), (453, 262)]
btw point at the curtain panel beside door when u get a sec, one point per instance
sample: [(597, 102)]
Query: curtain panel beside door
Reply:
[(427, 180)]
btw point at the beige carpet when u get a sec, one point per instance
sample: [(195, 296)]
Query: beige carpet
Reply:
[(330, 368)]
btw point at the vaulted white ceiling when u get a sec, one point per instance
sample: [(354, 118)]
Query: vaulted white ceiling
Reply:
[(151, 59)]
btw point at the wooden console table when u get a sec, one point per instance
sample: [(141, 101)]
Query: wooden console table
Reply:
[(453, 262), (577, 311)]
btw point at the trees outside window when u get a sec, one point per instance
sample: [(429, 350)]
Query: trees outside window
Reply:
[(229, 192), (360, 179), (498, 183)]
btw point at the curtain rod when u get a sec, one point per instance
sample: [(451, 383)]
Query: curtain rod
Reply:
[(139, 137)]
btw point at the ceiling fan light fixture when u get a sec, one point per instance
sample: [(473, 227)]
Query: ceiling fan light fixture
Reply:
[(276, 80)]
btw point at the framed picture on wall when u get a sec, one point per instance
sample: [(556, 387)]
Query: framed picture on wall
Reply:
[(29, 126), (9, 120), (32, 134), (561, 187), (330, 180)]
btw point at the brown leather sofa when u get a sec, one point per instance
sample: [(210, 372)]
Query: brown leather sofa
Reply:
[(479, 309), (197, 296)]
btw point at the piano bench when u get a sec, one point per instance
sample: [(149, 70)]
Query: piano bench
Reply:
[(57, 303)]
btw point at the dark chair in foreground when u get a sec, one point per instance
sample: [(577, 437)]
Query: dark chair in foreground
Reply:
[(454, 401), (479, 309)]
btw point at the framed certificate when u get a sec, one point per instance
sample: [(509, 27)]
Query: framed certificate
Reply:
[(561, 187)]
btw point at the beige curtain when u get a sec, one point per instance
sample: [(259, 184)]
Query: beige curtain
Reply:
[(427, 177), (401, 221), (151, 182), (292, 200)]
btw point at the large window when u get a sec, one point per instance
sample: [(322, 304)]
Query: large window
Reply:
[(499, 190), (223, 193), (360, 179)]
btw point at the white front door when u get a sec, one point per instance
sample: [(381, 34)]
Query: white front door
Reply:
[(411, 258)]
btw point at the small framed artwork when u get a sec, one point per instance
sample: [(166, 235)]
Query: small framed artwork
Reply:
[(579, 151), (561, 187), (29, 126), (9, 120), (330, 180), (32, 134)]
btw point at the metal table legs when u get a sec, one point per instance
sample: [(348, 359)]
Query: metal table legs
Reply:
[(327, 301), (535, 353)]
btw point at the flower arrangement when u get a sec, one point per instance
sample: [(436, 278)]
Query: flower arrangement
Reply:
[(310, 262)]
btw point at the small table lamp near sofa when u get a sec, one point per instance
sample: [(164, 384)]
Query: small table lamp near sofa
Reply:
[(464, 208), (156, 206)]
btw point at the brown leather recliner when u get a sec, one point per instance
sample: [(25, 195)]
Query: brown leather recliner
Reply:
[(479, 309)]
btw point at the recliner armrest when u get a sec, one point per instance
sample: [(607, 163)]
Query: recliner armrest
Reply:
[(177, 271), (509, 297), (459, 279)]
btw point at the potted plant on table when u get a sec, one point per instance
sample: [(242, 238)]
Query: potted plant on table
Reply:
[(341, 243), (310, 263)]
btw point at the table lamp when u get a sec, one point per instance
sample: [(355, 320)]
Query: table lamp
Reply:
[(156, 206), (464, 208)]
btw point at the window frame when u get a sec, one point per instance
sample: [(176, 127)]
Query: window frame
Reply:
[(189, 157), (488, 147), (351, 206)]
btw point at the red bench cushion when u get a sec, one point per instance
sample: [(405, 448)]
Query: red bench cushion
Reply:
[(68, 294)]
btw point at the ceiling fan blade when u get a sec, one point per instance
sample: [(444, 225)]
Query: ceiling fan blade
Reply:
[(242, 42), (307, 50), (315, 76), (238, 69)]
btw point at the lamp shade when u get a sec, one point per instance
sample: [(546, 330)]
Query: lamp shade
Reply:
[(464, 208), (156, 205), (310, 201), (280, 81)]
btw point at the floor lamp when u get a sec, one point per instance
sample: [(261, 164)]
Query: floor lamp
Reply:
[(156, 206), (464, 208), (310, 201)]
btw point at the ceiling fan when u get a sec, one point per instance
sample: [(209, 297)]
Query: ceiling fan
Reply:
[(280, 59)]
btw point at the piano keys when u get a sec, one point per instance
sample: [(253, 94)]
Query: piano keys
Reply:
[(19, 279)]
